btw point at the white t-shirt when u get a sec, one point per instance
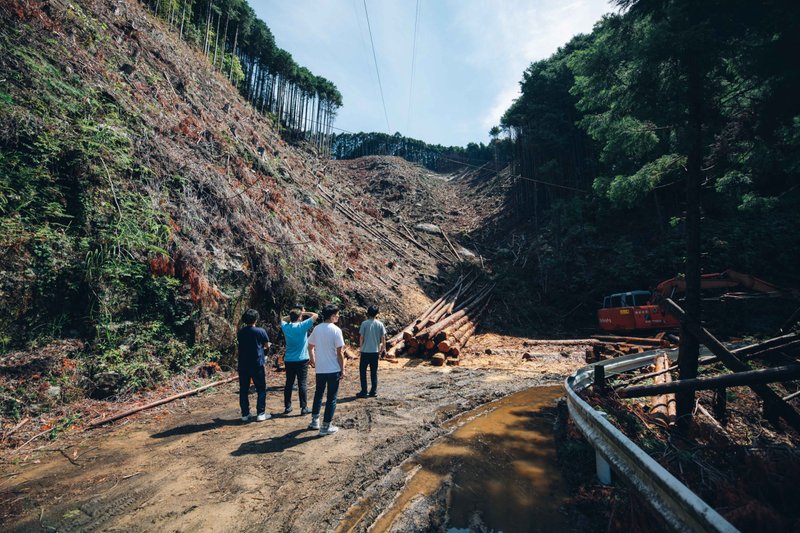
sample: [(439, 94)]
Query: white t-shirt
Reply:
[(326, 338)]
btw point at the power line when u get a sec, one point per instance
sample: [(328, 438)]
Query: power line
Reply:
[(413, 61), (375, 57)]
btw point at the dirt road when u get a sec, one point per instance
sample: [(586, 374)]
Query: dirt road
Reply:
[(195, 466)]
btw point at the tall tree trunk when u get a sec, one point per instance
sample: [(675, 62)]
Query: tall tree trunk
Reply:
[(233, 51), (224, 42), (216, 41), (689, 347), (208, 28), (183, 16)]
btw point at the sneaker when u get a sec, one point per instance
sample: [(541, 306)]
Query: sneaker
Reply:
[(373, 394), (329, 430), (288, 410), (314, 423), (263, 416), (245, 418), (305, 411), (361, 394)]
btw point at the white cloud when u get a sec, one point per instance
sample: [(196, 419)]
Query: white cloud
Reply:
[(470, 56)]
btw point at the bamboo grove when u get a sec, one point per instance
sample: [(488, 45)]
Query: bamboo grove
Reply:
[(242, 48)]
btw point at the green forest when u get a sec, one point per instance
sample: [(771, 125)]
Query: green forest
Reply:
[(667, 140), (672, 124)]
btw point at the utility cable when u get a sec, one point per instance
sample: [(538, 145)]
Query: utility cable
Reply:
[(413, 61), (375, 57)]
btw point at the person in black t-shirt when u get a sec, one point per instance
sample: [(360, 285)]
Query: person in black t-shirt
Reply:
[(252, 343)]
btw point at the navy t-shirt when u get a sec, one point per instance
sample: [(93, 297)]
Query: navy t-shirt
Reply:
[(251, 346)]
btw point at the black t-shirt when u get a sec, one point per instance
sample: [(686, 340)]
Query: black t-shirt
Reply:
[(251, 346)]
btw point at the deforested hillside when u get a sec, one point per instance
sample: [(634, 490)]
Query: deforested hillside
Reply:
[(145, 205)]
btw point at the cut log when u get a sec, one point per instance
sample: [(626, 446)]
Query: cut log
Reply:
[(438, 359), (630, 340), (409, 329), (465, 308), (663, 404)]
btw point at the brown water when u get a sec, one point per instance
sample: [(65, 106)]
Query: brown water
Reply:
[(502, 463)]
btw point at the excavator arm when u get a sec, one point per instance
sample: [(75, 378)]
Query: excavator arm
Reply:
[(728, 279)]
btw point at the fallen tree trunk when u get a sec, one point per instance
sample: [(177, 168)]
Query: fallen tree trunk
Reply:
[(129, 412), (739, 379)]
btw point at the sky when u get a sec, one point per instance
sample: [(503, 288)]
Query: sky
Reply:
[(468, 62)]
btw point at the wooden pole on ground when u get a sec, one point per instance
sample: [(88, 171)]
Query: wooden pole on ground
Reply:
[(750, 378), (129, 412)]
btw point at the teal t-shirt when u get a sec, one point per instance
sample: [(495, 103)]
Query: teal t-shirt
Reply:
[(296, 339), (372, 330)]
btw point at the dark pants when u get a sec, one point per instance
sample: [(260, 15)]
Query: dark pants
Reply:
[(259, 377), (332, 382), (368, 360), (299, 370)]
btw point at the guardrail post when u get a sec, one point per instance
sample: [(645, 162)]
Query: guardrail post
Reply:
[(599, 379), (602, 468), (720, 403)]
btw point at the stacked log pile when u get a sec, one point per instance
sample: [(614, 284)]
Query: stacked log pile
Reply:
[(609, 346), (442, 331)]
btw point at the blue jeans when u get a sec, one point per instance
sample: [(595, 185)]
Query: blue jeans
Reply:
[(259, 377), (331, 381)]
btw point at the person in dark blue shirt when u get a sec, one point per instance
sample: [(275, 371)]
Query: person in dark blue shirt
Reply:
[(252, 343)]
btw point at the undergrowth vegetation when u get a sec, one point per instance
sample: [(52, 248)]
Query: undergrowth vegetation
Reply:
[(78, 229)]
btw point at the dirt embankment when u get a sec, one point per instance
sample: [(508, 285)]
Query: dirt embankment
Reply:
[(194, 465)]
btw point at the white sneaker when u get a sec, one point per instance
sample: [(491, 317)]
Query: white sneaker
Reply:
[(245, 418), (263, 416), (314, 423), (330, 430)]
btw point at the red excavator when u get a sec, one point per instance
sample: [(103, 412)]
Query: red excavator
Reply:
[(638, 310)]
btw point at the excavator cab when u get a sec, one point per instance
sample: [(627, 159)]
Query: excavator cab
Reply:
[(638, 310), (631, 311)]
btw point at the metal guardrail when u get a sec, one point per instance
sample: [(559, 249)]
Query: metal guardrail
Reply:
[(680, 508)]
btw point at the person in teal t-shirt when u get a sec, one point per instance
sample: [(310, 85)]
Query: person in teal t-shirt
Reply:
[(295, 330)]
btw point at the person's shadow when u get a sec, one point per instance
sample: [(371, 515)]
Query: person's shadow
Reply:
[(276, 444), (196, 428)]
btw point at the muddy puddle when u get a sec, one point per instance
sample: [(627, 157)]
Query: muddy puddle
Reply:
[(496, 472)]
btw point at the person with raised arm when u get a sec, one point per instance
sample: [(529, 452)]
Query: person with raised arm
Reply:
[(295, 330)]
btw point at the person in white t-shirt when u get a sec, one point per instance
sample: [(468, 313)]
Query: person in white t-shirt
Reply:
[(326, 352)]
